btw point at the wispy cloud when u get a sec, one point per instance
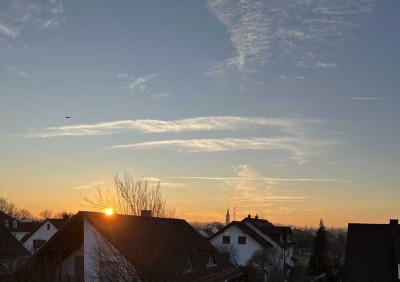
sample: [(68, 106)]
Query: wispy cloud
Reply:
[(298, 149), (17, 71), (137, 83), (260, 179), (161, 95), (298, 30), (123, 75), (91, 185), (17, 15), (5, 30), (325, 65), (367, 98), (290, 79), (210, 123)]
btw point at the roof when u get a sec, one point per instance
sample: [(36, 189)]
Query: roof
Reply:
[(149, 243), (9, 246), (373, 252), (57, 222), (26, 227), (263, 226)]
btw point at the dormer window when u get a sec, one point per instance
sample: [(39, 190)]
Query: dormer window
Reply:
[(6, 224), (188, 266), (211, 261), (15, 224)]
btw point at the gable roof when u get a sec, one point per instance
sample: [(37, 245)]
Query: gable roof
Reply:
[(265, 227), (149, 243), (35, 226), (58, 222), (26, 227), (9, 245), (373, 252)]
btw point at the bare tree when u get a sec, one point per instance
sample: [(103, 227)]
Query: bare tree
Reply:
[(64, 213), (9, 208), (266, 265), (46, 214), (5, 202), (130, 196), (23, 214)]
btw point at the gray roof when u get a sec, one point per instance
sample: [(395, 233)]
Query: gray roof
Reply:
[(373, 252)]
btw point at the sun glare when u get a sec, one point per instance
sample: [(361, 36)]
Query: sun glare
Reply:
[(109, 211)]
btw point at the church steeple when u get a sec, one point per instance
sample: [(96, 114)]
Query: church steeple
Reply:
[(228, 217)]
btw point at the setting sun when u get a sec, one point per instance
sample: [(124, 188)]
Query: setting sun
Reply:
[(109, 211)]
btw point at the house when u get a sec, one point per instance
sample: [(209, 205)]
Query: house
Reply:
[(373, 252), (43, 233), (94, 246), (21, 229), (11, 253), (252, 234)]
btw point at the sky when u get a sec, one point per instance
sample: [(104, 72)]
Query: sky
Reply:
[(286, 109)]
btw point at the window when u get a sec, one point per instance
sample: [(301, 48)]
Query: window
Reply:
[(211, 261), (188, 266), (226, 239), (48, 226), (6, 223), (38, 243), (242, 240), (15, 224)]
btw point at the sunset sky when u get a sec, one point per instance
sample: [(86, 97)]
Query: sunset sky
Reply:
[(288, 109)]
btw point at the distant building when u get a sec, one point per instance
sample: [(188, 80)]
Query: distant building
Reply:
[(373, 252), (21, 229), (210, 229), (95, 247), (43, 233), (252, 234), (227, 217)]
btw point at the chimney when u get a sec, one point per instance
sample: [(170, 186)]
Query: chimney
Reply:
[(394, 222), (65, 217), (256, 217), (249, 216), (146, 213)]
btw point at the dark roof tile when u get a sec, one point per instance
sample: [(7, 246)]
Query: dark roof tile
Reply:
[(372, 252)]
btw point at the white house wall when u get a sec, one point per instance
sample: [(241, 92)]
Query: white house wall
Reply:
[(68, 264), (91, 239), (41, 234), (244, 251), (288, 253)]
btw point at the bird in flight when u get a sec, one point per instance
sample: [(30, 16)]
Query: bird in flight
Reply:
[(67, 117)]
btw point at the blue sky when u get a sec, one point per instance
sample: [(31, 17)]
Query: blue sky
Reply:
[(287, 109)]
